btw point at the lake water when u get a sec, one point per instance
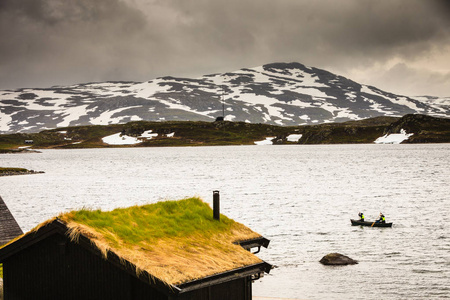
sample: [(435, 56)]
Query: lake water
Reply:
[(300, 197)]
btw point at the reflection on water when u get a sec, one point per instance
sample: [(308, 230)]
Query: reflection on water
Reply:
[(300, 197)]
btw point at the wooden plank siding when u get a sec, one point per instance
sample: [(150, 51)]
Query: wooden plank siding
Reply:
[(56, 268), (9, 229)]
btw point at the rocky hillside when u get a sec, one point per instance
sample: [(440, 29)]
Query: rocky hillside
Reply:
[(287, 94), (409, 129), (426, 129)]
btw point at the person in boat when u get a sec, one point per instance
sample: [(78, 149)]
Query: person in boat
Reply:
[(382, 219), (361, 216)]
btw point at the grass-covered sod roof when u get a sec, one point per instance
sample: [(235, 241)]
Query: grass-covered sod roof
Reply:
[(175, 241)]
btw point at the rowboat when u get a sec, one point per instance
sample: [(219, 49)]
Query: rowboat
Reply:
[(372, 224)]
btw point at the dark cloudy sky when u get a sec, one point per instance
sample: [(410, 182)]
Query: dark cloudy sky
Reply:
[(401, 46)]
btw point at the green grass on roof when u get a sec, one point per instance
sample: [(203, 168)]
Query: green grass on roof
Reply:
[(151, 222)]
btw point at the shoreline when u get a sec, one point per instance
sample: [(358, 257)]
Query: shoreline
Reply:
[(14, 173), (18, 151)]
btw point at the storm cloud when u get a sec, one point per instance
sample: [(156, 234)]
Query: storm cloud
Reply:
[(399, 45)]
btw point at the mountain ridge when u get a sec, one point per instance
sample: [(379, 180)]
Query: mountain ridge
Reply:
[(285, 94)]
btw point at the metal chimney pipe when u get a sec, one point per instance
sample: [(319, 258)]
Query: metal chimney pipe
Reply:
[(216, 205)]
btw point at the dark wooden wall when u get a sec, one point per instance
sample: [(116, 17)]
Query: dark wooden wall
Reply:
[(55, 268), (9, 228)]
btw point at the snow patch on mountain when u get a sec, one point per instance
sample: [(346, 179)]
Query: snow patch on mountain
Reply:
[(108, 116), (118, 139), (123, 139), (294, 138), (267, 141), (5, 120), (393, 138), (148, 135)]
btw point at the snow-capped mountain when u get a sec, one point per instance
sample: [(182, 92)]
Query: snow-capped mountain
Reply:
[(279, 93)]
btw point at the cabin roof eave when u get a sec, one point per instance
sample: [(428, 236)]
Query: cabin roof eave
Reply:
[(225, 277)]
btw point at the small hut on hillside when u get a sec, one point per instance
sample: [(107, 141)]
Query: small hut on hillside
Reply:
[(9, 229), (163, 251)]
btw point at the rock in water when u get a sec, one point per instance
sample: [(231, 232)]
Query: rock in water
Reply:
[(336, 259)]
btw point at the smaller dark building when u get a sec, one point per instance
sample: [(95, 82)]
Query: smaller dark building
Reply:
[(77, 256), (9, 229)]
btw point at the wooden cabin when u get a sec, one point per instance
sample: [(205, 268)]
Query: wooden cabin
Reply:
[(9, 229), (163, 251)]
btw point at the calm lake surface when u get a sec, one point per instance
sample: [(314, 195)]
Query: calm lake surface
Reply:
[(299, 197)]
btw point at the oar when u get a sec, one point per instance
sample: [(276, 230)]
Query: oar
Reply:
[(372, 224)]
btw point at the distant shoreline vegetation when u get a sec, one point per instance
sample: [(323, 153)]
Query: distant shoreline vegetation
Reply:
[(408, 129), (17, 171)]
